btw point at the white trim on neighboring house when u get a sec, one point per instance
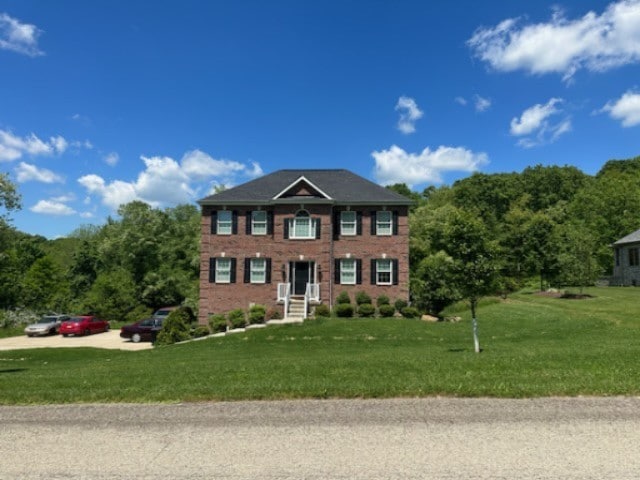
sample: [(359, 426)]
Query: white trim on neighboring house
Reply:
[(301, 179)]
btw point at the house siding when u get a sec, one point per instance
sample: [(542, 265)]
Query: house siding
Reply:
[(221, 298), (625, 274)]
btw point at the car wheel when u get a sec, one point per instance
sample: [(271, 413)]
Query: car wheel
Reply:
[(87, 332), (29, 335), (135, 338)]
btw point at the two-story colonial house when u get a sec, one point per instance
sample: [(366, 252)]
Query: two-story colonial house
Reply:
[(302, 237)]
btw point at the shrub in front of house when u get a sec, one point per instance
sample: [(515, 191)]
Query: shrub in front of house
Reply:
[(366, 310), (237, 318), (257, 314), (176, 327), (387, 311), (273, 314), (400, 304), (343, 299), (362, 298), (410, 312), (344, 310), (322, 311), (200, 331), (218, 323), (382, 300)]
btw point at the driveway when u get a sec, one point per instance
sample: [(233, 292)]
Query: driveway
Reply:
[(110, 339)]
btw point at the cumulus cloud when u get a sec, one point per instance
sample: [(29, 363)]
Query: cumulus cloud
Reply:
[(409, 114), (480, 103), (398, 166), (26, 172), (19, 37), (626, 109), (112, 159), (534, 125), (593, 42), (165, 181), (13, 147), (51, 207)]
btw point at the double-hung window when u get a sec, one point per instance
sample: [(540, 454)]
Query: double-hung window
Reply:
[(384, 223), (348, 271), (302, 226), (384, 272), (223, 270), (258, 268), (258, 222), (348, 223), (225, 222)]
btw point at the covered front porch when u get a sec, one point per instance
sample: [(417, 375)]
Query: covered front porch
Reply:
[(301, 288)]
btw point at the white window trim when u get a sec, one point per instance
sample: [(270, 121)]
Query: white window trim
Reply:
[(343, 223), (311, 234), (255, 223), (379, 271), (343, 270), (226, 272), (219, 222), (253, 269), (380, 223)]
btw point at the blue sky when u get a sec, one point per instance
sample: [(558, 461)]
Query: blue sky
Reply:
[(104, 102)]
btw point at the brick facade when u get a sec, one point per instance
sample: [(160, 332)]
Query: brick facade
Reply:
[(223, 297)]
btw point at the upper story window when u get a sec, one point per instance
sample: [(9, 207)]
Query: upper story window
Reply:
[(384, 223), (225, 222), (348, 223), (258, 222), (303, 226)]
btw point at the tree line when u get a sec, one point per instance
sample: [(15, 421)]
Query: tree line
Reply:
[(487, 233)]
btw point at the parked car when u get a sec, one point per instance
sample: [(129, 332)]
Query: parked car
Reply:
[(47, 325), (163, 312), (142, 331), (83, 325)]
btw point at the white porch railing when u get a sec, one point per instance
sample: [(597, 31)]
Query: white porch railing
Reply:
[(312, 292), (284, 295)]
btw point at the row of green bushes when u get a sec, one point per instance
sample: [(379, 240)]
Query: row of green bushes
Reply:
[(239, 318), (364, 307)]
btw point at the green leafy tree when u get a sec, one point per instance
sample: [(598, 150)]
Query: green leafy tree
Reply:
[(43, 287), (112, 295)]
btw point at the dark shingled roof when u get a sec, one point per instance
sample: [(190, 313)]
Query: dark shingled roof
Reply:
[(342, 186), (631, 238)]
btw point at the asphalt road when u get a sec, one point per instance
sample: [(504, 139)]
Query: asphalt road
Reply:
[(435, 438)]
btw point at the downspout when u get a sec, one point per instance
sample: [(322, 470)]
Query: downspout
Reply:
[(331, 261)]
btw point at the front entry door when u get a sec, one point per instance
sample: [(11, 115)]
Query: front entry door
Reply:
[(301, 275)]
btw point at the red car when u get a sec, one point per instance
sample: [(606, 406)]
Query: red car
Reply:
[(83, 325)]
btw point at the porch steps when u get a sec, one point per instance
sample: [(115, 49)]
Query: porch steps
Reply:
[(296, 309)]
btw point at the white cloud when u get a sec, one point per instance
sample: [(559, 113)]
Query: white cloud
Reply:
[(563, 46), (460, 101), (534, 126), (626, 109), (397, 166), (481, 104), (112, 159), (26, 172), (69, 197), (50, 207), (13, 147), (19, 37), (409, 114), (167, 182), (86, 215)]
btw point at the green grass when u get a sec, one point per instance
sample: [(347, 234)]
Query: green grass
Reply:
[(6, 332), (532, 346)]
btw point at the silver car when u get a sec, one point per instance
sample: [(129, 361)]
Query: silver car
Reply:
[(47, 325)]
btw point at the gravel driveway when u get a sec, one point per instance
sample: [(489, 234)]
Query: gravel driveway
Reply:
[(110, 339)]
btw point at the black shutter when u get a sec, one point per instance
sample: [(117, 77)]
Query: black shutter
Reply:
[(286, 227), (267, 278), (336, 271), (248, 223), (318, 224), (269, 223), (233, 270), (394, 264), (247, 270), (373, 223), (336, 225), (373, 271), (395, 222), (214, 222), (358, 223), (358, 271), (212, 270), (234, 222)]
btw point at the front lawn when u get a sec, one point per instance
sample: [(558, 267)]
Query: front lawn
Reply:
[(532, 346)]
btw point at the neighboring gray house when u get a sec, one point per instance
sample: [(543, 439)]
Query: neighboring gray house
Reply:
[(626, 263)]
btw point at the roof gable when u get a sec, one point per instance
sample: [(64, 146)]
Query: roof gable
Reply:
[(302, 189), (631, 238)]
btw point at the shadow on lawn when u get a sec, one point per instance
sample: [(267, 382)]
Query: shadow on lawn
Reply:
[(13, 370)]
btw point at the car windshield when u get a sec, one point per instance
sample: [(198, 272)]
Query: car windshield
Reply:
[(47, 320), (162, 313), (147, 323)]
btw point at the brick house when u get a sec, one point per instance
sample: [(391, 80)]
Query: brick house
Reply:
[(626, 263), (297, 238)]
